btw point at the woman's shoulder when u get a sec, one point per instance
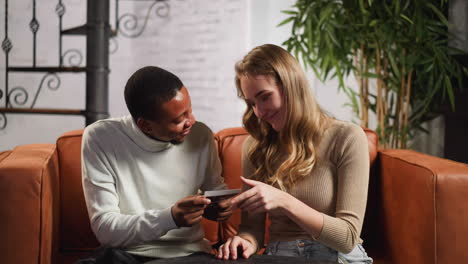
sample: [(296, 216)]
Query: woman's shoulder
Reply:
[(343, 129), (341, 133), (248, 143)]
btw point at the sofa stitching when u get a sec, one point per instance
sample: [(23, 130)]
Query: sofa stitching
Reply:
[(7, 155)]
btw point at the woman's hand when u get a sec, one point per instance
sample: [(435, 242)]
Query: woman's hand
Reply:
[(260, 197), (235, 245)]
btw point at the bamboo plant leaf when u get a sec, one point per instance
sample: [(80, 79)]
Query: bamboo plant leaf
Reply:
[(286, 21), (449, 89), (412, 36), (442, 18), (406, 18), (289, 12)]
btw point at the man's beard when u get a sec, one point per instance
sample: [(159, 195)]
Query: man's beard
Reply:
[(176, 142)]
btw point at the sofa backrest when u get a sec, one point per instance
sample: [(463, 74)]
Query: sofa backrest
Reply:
[(75, 230), (75, 233), (230, 143)]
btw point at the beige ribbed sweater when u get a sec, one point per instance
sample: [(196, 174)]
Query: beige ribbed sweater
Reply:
[(336, 187)]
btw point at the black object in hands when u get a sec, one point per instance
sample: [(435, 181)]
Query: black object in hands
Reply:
[(214, 211)]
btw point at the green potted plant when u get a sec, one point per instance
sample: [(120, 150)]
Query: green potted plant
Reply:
[(397, 50)]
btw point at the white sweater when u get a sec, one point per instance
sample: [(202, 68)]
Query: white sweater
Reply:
[(130, 182)]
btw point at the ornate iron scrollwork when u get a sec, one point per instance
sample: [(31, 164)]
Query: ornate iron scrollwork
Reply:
[(127, 24), (113, 45), (72, 57), (3, 121), (20, 95), (34, 25), (60, 9), (53, 84), (7, 45)]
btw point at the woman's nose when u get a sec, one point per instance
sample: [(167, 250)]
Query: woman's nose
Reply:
[(259, 112)]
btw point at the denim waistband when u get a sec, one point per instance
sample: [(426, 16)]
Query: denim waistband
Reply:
[(317, 251)]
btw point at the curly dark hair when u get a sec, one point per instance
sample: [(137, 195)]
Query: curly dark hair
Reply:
[(147, 89)]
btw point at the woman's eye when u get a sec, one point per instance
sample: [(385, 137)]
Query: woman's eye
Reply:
[(265, 97)]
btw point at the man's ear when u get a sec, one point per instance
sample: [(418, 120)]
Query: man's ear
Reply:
[(143, 125)]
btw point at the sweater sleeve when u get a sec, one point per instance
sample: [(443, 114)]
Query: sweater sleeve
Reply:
[(213, 170), (252, 224), (111, 227), (351, 156)]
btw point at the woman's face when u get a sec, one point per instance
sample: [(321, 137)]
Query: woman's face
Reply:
[(265, 96)]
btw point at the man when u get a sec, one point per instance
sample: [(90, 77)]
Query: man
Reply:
[(142, 173)]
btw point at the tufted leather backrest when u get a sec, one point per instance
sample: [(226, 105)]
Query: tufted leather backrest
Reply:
[(230, 141)]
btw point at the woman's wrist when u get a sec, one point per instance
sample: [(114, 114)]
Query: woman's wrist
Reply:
[(310, 219), (287, 203)]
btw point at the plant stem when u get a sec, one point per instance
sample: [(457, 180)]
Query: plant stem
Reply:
[(363, 89), (379, 102), (385, 109), (407, 108), (401, 106)]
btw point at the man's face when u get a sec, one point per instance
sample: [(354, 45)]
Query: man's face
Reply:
[(176, 119)]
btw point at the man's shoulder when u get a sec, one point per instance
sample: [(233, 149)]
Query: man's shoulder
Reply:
[(103, 127)]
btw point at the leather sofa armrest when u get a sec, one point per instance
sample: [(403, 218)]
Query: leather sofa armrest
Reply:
[(28, 204), (424, 208)]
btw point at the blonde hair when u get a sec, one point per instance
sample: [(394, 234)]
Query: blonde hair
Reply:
[(305, 120)]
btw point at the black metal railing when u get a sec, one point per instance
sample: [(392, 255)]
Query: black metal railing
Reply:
[(18, 100)]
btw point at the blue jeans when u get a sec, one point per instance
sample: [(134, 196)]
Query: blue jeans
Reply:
[(106, 255), (317, 251)]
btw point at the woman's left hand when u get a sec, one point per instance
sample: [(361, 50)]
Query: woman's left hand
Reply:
[(260, 197)]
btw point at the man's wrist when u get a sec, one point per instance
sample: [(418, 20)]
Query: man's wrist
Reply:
[(174, 219)]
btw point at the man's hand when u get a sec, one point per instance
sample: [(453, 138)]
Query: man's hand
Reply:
[(219, 211), (189, 210)]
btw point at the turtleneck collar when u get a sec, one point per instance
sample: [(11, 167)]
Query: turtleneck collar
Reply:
[(142, 140)]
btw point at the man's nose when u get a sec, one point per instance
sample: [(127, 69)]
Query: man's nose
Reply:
[(190, 121)]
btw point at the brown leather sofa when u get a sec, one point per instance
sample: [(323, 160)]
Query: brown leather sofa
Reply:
[(417, 208)]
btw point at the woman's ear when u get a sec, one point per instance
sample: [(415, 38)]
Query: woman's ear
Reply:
[(143, 125)]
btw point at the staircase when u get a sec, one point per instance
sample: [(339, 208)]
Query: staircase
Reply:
[(97, 32)]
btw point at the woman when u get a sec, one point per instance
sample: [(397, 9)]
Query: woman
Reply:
[(308, 171)]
